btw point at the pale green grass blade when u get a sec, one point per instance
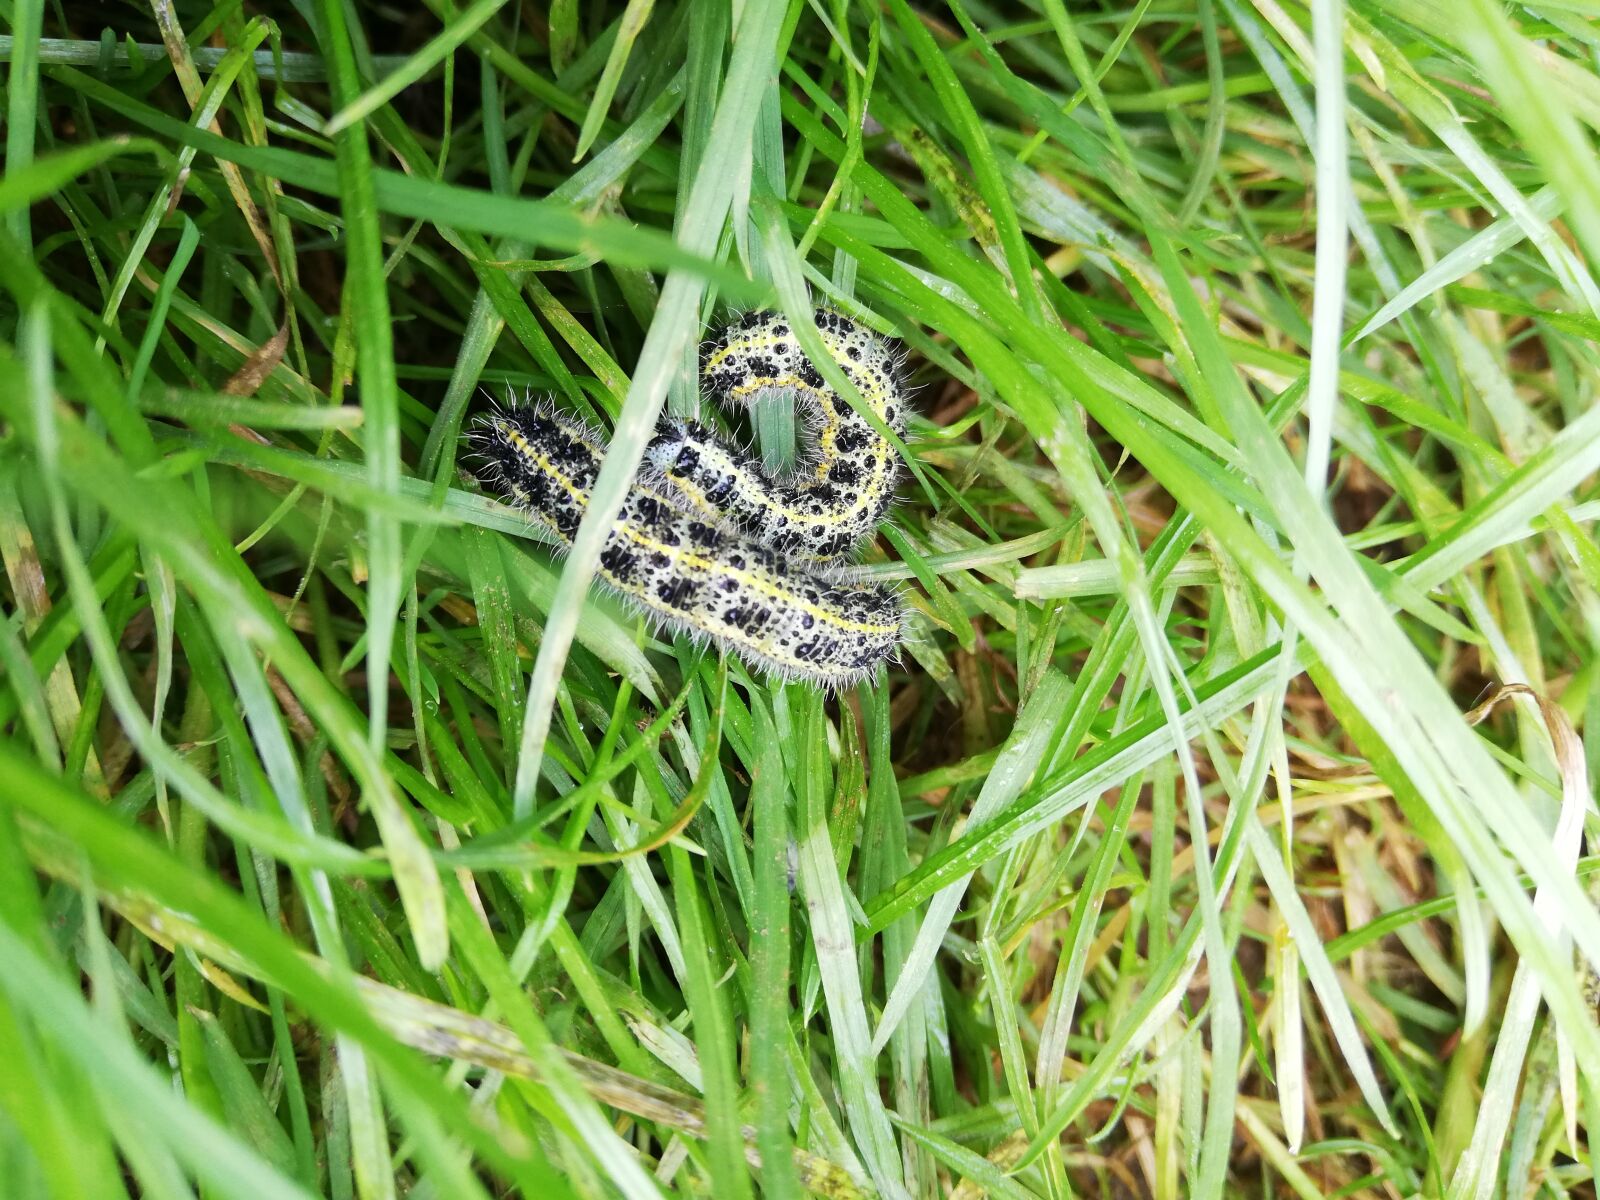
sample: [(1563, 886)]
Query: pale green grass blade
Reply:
[(770, 964), (1481, 248), (1468, 768), (439, 47), (964, 1163), (374, 351), (834, 944), (1017, 762), (670, 334), (1477, 1172), (630, 25), (1333, 188), (22, 114), (1318, 969)]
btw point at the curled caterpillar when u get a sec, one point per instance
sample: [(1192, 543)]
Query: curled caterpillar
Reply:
[(843, 487), (684, 569), (711, 544)]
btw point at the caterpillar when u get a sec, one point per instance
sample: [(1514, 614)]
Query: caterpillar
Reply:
[(730, 562), (844, 486)]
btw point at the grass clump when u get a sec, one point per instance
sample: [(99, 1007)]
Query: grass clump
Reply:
[(1220, 832)]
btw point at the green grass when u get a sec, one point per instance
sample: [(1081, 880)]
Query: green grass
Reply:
[(1220, 832)]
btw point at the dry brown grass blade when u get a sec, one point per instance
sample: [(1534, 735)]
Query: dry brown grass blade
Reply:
[(247, 380), (177, 47), (1570, 763), (450, 1033)]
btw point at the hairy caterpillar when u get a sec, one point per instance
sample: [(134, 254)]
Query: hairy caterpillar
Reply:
[(685, 570), (707, 541), (844, 486)]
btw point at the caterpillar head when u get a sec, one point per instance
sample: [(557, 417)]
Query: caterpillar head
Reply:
[(672, 451)]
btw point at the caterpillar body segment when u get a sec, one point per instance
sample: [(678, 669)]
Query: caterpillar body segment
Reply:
[(803, 521)]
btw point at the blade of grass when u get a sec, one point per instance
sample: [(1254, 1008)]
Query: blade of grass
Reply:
[(415, 67), (1024, 752), (670, 333)]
